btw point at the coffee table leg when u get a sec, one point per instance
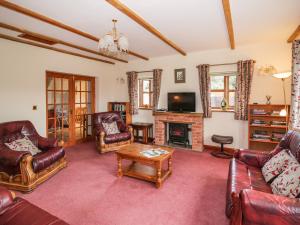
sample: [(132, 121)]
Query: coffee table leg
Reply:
[(120, 172), (170, 165), (158, 175)]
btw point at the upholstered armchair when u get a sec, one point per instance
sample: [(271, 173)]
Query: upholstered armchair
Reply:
[(19, 170), (110, 142)]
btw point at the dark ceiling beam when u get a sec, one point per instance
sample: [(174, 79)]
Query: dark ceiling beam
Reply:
[(28, 12), (56, 41), (228, 18), (294, 35), (7, 37), (138, 19)]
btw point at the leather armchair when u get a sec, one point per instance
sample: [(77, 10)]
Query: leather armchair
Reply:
[(20, 170), (107, 142), (249, 199), (19, 211)]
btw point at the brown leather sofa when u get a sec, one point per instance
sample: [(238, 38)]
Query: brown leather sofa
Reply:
[(20, 170), (249, 198), (14, 211), (106, 142)]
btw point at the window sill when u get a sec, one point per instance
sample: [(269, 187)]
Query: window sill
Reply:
[(221, 110)]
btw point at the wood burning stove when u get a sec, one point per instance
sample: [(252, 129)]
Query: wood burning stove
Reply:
[(178, 134)]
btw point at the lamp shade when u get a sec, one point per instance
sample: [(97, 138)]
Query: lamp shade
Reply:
[(282, 75)]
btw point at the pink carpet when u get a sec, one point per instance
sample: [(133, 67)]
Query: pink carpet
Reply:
[(88, 192)]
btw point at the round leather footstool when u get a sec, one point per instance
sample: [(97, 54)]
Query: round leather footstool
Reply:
[(222, 140)]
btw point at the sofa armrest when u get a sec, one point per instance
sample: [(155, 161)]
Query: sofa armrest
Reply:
[(6, 199), (47, 143), (11, 158), (268, 209), (252, 157)]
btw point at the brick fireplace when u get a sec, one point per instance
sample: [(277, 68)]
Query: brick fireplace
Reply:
[(162, 119)]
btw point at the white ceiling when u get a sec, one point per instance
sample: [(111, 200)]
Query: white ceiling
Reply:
[(194, 25)]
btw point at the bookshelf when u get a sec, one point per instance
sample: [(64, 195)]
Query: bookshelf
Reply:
[(123, 108), (266, 126)]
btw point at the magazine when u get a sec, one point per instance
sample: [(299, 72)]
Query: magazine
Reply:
[(150, 153)]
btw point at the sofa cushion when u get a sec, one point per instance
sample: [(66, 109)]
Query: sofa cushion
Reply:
[(108, 139), (288, 183), (12, 137), (277, 164), (6, 199), (45, 159), (257, 180), (111, 128), (23, 144), (23, 212)]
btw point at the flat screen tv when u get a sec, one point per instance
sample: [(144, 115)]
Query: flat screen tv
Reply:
[(182, 102)]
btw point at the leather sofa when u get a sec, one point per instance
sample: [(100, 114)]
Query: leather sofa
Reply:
[(15, 211), (107, 142), (19, 170), (249, 199)]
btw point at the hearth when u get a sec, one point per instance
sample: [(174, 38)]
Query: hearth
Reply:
[(178, 134)]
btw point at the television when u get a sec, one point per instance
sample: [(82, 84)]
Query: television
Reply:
[(182, 102)]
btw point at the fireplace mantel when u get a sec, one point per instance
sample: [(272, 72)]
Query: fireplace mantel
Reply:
[(195, 119)]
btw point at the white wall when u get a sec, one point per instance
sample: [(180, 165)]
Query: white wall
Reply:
[(223, 123), (22, 80)]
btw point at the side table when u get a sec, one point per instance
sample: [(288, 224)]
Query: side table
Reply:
[(147, 130)]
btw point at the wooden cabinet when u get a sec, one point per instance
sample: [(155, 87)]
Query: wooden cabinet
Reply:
[(266, 125), (123, 108)]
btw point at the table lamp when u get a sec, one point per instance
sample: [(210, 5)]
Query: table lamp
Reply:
[(283, 76)]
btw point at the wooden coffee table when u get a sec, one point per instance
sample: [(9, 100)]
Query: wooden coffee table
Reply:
[(141, 167)]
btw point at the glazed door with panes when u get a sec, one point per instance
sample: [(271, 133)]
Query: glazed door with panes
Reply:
[(84, 107), (70, 104)]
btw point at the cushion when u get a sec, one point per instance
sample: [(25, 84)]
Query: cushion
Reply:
[(277, 164), (23, 144), (113, 138), (288, 183), (111, 128)]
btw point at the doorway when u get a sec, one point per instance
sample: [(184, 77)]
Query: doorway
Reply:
[(70, 103)]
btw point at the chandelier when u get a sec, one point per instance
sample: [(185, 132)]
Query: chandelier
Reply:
[(113, 43)]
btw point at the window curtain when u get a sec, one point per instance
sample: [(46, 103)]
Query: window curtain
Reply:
[(132, 81), (156, 87), (243, 88), (204, 85), (295, 106)]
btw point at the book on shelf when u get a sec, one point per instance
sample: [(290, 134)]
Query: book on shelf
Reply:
[(261, 135), (278, 123), (277, 136), (275, 113), (259, 112), (258, 122)]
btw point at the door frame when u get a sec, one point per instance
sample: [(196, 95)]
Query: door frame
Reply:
[(71, 78)]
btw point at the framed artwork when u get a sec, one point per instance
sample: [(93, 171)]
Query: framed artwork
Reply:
[(180, 75)]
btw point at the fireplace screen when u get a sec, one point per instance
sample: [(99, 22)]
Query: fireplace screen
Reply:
[(178, 134)]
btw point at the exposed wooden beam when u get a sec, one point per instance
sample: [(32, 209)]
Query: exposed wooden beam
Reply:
[(294, 35), (138, 19), (53, 22), (7, 37), (54, 40), (227, 13)]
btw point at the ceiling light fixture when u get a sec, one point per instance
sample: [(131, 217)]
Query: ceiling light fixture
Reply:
[(114, 43)]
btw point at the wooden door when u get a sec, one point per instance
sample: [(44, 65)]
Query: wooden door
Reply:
[(70, 102), (84, 106)]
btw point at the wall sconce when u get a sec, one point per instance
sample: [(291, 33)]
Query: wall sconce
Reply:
[(120, 80), (267, 70)]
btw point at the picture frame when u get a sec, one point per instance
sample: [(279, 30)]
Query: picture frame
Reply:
[(179, 75)]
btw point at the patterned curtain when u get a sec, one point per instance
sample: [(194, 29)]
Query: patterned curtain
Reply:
[(243, 88), (132, 80), (295, 106), (204, 84), (156, 87)]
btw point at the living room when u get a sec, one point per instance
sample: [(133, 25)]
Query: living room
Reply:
[(232, 66)]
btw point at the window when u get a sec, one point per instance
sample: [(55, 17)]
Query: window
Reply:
[(146, 93), (222, 87)]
